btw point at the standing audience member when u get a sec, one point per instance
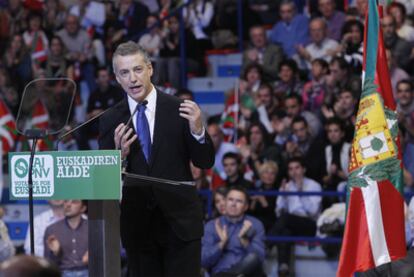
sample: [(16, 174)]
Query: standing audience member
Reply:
[(234, 243), (36, 40), (44, 220), (399, 13), (151, 41), (296, 214), (66, 241)]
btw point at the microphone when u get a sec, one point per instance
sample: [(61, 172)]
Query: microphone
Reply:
[(124, 161), (143, 103), (79, 126)]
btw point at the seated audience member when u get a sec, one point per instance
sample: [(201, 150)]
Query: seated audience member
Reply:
[(403, 27), (263, 206), (66, 241), (289, 82), (291, 30), (106, 95), (234, 243), (42, 221), (221, 147), (399, 47), (266, 54), (320, 45), (233, 168), (199, 176), (335, 19), (219, 198), (314, 93), (259, 149), (296, 214), (151, 41), (341, 77), (336, 158), (405, 109), (28, 266), (268, 104)]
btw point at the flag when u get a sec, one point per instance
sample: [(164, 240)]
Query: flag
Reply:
[(374, 229), (229, 118), (8, 132), (40, 120)]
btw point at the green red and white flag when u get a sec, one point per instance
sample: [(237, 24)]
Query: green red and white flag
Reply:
[(8, 132), (40, 120), (374, 230)]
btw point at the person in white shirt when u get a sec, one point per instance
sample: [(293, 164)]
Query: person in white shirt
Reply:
[(41, 222), (296, 214)]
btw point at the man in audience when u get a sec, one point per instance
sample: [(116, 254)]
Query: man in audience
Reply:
[(291, 30), (221, 147), (233, 168), (400, 48), (336, 158), (66, 241), (319, 47), (334, 19), (42, 221), (268, 105), (296, 214), (266, 54), (234, 242), (405, 108)]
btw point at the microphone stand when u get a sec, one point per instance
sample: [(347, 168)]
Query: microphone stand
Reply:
[(35, 135)]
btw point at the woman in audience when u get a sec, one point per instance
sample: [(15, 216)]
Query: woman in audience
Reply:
[(57, 65), (7, 92), (263, 206), (288, 82), (219, 199)]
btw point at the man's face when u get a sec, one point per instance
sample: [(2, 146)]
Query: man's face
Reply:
[(296, 171), (388, 26), (103, 78), (216, 135), (56, 203), (265, 97), (230, 167), (287, 12), (347, 101), (73, 208), (71, 24), (300, 131), (258, 37), (236, 203), (326, 7), (317, 31), (292, 107), (134, 75), (404, 94), (334, 133), (337, 73), (286, 73)]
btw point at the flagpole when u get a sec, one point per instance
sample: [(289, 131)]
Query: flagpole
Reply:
[(236, 117)]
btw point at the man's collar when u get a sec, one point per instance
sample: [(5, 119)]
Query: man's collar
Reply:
[(151, 98)]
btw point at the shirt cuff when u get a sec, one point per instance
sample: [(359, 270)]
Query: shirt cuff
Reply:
[(200, 138)]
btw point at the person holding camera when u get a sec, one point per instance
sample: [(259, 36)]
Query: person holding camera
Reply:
[(233, 244)]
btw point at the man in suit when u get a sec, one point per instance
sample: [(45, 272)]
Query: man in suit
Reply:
[(161, 224)]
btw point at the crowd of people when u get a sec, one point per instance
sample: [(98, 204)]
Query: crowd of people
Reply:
[(287, 125)]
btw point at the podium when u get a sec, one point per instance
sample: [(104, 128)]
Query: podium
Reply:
[(88, 175)]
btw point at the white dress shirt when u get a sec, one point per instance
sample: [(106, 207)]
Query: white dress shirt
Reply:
[(150, 114)]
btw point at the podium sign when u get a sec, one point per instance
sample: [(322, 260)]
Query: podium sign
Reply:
[(88, 175)]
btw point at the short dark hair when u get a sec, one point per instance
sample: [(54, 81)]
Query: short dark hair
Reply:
[(232, 155), (289, 63), (407, 82), (184, 91), (336, 121), (296, 160), (251, 66), (240, 189), (296, 97), (298, 119), (324, 64)]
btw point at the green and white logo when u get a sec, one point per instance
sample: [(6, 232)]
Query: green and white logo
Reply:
[(43, 176)]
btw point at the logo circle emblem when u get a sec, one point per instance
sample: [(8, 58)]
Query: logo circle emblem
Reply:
[(21, 168)]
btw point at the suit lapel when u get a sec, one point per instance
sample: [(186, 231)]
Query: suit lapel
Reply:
[(159, 126)]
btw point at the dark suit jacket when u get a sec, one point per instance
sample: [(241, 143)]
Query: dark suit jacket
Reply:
[(172, 149)]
